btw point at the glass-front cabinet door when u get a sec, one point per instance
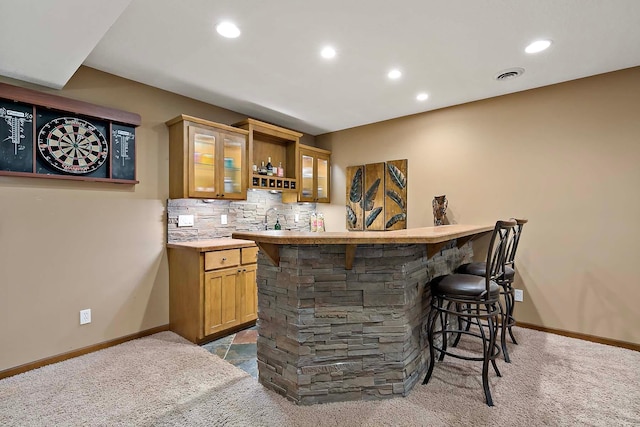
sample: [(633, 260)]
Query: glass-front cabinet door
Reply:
[(216, 160), (323, 181), (307, 186), (233, 155), (202, 162), (315, 174)]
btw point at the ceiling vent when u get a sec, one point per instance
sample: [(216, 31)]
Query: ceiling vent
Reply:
[(509, 74)]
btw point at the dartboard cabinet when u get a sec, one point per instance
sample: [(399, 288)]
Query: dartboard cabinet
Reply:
[(47, 136)]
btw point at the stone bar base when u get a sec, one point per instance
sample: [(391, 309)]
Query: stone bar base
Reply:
[(327, 334)]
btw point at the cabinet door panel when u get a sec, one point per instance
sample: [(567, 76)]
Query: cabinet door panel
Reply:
[(307, 178), (323, 179), (220, 296), (202, 161), (234, 157), (248, 294)]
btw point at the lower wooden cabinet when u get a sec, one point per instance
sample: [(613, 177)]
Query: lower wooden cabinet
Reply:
[(229, 298), (211, 292)]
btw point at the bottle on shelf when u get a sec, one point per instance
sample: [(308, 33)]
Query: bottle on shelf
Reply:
[(280, 170), (269, 167), (255, 168), (277, 226), (320, 222), (313, 222), (263, 169)]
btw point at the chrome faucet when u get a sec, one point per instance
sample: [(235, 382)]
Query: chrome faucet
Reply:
[(266, 216)]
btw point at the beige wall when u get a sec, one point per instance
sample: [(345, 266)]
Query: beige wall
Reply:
[(567, 157), (569, 154), (67, 246)]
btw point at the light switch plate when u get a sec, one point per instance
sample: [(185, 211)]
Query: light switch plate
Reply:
[(296, 217), (185, 220), (223, 219)]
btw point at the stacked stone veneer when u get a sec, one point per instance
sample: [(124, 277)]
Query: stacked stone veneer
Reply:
[(242, 215), (328, 334)]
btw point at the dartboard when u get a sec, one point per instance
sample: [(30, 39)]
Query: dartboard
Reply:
[(72, 145)]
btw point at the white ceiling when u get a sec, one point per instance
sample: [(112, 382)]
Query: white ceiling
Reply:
[(451, 49)]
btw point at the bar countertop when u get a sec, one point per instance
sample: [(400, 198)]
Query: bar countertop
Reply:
[(211, 244), (428, 235)]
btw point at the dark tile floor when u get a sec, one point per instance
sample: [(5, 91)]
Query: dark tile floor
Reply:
[(239, 349)]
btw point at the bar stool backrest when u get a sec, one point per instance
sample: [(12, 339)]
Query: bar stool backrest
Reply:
[(512, 246), (497, 252)]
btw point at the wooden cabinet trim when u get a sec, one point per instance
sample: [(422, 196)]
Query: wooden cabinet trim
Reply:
[(185, 118)]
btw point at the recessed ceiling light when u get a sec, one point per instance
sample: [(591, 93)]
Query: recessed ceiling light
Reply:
[(394, 74), (422, 96), (538, 46), (328, 52), (228, 30)]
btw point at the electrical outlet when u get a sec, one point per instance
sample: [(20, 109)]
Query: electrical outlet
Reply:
[(185, 220), (85, 316), (518, 295), (296, 217), (223, 219)]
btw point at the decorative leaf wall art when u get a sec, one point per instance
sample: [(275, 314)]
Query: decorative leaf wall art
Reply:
[(355, 184), (396, 174), (372, 216), (395, 207), (374, 178), (355, 195), (370, 197), (377, 196)]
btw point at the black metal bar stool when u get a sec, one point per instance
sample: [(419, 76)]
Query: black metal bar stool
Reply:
[(505, 281), (474, 299)]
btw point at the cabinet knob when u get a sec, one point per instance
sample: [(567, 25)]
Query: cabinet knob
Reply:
[(222, 195), (224, 259)]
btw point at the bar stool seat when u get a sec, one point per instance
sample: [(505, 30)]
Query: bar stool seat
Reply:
[(464, 286)]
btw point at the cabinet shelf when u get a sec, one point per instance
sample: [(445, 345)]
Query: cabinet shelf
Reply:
[(281, 145), (266, 182)]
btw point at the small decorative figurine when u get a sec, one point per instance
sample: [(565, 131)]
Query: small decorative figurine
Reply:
[(440, 204)]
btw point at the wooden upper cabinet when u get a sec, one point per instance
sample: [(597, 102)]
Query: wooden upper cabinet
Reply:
[(314, 175), (206, 160)]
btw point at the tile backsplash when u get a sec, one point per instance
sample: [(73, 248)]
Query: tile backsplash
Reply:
[(242, 215)]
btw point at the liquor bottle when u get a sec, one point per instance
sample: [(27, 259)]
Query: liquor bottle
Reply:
[(263, 169), (277, 226), (280, 170), (269, 167), (255, 169)]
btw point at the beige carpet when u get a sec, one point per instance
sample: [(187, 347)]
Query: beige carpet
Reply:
[(163, 380)]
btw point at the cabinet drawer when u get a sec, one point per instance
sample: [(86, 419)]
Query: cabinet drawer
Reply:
[(249, 255), (221, 259)]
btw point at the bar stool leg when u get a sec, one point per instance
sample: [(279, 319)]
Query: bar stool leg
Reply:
[(431, 321), (510, 319)]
